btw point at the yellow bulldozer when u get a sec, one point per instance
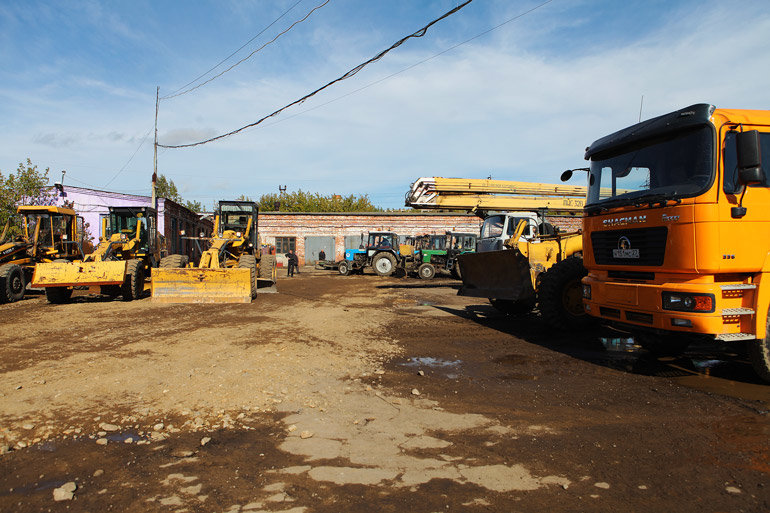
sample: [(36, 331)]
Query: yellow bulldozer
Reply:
[(47, 233), (230, 270), (127, 251)]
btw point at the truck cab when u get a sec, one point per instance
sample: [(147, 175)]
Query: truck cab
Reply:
[(498, 228)]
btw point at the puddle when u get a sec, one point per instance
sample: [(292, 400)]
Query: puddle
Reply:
[(429, 361), (425, 303), (122, 437), (36, 487), (620, 344)]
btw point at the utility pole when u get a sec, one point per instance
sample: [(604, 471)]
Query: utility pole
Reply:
[(155, 153)]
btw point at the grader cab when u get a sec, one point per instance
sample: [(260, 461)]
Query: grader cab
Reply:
[(230, 269), (48, 233), (119, 264)]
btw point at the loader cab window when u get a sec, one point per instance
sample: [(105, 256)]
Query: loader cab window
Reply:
[(236, 216), (492, 227), (730, 162)]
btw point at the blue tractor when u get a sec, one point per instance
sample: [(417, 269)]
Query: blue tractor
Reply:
[(381, 253)]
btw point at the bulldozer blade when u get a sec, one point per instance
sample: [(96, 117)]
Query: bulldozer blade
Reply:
[(501, 274), (191, 285), (76, 274)]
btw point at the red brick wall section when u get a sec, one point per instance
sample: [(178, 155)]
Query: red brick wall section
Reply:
[(274, 224)]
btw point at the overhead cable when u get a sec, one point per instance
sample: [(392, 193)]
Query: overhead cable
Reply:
[(175, 94), (130, 158), (421, 32)]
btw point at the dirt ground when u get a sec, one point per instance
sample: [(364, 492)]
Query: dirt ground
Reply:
[(364, 394)]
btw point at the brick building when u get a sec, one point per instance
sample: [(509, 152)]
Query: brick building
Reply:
[(93, 205), (308, 233)]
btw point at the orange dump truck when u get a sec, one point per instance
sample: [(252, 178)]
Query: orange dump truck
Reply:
[(680, 248)]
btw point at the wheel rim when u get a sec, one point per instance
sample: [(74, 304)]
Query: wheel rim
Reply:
[(384, 265), (573, 298), (426, 272), (17, 285)]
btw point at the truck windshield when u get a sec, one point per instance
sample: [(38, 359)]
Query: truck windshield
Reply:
[(668, 168)]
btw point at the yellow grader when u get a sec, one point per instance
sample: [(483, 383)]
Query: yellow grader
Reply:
[(229, 270), (127, 251), (48, 234)]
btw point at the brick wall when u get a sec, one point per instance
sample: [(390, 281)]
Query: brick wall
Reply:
[(340, 225)]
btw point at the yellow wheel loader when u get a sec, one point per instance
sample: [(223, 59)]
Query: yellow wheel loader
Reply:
[(542, 270), (48, 233), (126, 252), (229, 270)]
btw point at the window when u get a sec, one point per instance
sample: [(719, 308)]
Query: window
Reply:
[(731, 184), (285, 244)]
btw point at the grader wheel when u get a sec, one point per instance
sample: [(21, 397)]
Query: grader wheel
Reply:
[(12, 283), (133, 286), (250, 262)]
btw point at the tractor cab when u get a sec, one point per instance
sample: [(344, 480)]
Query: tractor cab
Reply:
[(51, 231), (240, 219), (132, 224), (381, 241)]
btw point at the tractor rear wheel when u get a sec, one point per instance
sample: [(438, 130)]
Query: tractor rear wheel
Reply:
[(174, 261), (12, 283), (133, 286), (759, 354), (250, 262), (384, 264), (560, 295), (344, 268), (426, 271), (267, 268)]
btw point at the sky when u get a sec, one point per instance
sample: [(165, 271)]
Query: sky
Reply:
[(510, 89)]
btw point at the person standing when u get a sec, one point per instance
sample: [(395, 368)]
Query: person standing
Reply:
[(322, 255), (293, 261)]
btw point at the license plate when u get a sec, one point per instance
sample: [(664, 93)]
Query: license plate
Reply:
[(625, 253)]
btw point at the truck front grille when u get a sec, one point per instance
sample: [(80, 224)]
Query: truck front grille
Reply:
[(650, 243)]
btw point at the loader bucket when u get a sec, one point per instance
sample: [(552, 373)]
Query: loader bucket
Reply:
[(195, 285), (496, 275), (72, 274)]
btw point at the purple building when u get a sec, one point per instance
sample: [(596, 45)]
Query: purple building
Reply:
[(93, 205)]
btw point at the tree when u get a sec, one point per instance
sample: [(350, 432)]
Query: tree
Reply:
[(195, 206), (301, 201), (27, 187), (165, 188)]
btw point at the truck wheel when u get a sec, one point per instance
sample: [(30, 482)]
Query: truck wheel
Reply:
[(510, 307), (384, 264), (250, 262), (133, 286), (426, 271), (267, 269), (174, 261), (12, 283), (759, 354), (344, 268), (560, 295)]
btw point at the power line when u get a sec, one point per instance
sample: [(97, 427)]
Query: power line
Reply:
[(130, 158), (421, 32), (174, 93), (248, 56), (412, 66)]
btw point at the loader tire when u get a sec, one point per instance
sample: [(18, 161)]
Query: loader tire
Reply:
[(133, 286), (384, 264), (344, 268), (250, 262), (759, 355), (267, 268), (58, 295), (12, 283), (174, 261), (426, 271), (560, 296)]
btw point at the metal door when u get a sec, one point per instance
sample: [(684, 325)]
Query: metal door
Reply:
[(352, 241), (313, 245)]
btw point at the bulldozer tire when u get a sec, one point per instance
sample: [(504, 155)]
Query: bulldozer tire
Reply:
[(267, 268), (560, 295), (511, 307), (384, 264), (174, 261), (344, 268), (426, 271), (250, 262), (58, 295), (759, 354), (12, 283), (133, 286)]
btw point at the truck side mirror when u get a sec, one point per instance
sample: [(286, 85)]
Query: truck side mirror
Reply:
[(566, 175), (749, 158)]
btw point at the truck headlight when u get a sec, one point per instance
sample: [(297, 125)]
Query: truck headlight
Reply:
[(683, 302)]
